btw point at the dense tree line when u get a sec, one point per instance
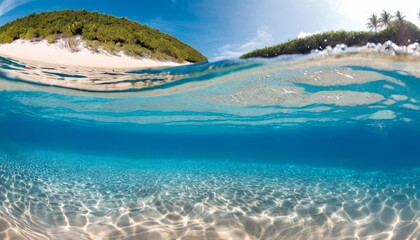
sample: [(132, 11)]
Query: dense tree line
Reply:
[(100, 30), (398, 31)]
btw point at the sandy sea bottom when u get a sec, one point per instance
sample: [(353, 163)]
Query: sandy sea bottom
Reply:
[(58, 195)]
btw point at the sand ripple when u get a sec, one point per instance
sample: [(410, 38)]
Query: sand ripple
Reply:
[(53, 196)]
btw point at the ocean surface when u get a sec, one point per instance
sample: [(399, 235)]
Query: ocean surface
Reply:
[(298, 147)]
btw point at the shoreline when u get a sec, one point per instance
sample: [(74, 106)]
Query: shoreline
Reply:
[(97, 80), (59, 55)]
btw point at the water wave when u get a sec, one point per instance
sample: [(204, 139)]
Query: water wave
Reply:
[(285, 91)]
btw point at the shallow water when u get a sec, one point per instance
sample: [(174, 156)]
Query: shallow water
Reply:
[(291, 148)]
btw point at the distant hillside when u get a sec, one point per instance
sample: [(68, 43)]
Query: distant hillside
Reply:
[(399, 32), (101, 31)]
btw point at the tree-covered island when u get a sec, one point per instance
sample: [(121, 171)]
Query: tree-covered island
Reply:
[(100, 31)]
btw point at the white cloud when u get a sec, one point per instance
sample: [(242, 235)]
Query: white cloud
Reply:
[(262, 39), (306, 34), (360, 10), (8, 5)]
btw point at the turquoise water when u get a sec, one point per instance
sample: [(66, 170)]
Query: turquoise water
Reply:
[(291, 148)]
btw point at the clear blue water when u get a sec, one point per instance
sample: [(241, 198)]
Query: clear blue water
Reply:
[(291, 148)]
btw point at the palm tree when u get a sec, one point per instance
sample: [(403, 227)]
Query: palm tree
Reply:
[(385, 19), (373, 23), (400, 17)]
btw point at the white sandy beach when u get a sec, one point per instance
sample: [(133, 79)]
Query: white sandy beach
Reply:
[(59, 54)]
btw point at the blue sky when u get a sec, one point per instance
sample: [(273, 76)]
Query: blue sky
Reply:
[(226, 28)]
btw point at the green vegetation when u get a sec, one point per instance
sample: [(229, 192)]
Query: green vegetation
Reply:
[(398, 31), (100, 30)]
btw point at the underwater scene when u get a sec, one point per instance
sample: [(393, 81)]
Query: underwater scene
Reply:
[(296, 147)]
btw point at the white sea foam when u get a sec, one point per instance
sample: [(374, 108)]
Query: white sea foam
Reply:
[(388, 48)]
